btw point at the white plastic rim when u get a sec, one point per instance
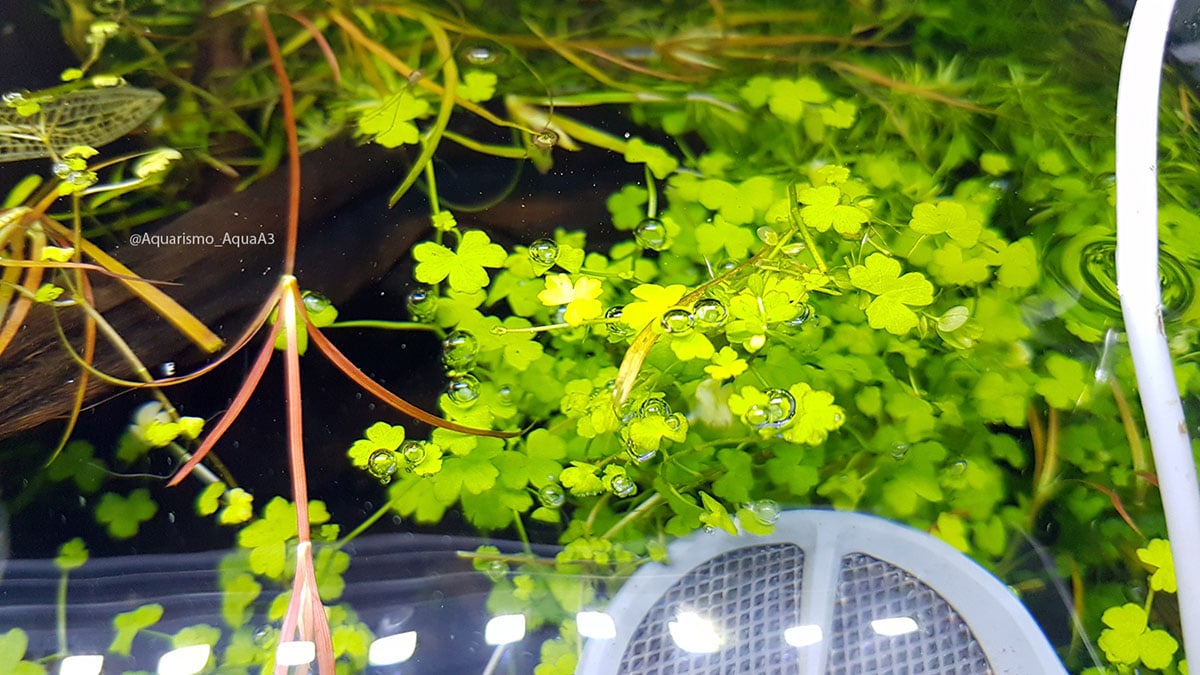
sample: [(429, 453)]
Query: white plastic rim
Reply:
[(1141, 297)]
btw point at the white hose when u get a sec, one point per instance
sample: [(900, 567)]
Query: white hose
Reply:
[(1141, 298)]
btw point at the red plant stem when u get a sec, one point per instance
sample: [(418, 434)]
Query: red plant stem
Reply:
[(235, 408), (295, 426), (286, 100), (380, 392)]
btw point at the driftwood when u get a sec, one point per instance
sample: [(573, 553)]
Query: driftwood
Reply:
[(345, 245)]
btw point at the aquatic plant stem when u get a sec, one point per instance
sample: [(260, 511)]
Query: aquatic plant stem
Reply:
[(287, 102), (1139, 288)]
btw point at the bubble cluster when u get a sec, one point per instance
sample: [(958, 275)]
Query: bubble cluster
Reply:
[(651, 233), (543, 252)]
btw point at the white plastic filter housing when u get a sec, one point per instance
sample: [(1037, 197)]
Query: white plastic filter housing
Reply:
[(828, 593)]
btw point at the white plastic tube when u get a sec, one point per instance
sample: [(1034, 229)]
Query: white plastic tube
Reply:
[(1141, 298)]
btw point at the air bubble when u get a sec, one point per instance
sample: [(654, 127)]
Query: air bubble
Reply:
[(768, 235), (496, 571), (13, 99), (757, 416), (781, 407), (422, 303), (801, 318), (710, 313), (794, 249), (678, 321), (655, 407), (482, 54), (314, 302), (546, 139), (543, 252), (413, 453), (463, 389), (61, 169), (676, 421), (899, 451), (639, 454), (651, 233), (459, 350), (617, 328), (766, 511), (505, 394), (623, 486), (382, 464), (552, 496)]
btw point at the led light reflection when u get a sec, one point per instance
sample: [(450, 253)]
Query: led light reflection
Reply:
[(83, 664), (894, 626), (694, 634), (503, 629), (803, 636), (184, 660), (596, 625), (392, 649), (295, 653)]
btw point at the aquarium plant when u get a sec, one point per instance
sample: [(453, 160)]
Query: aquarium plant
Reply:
[(868, 264)]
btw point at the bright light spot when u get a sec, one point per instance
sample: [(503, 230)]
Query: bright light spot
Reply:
[(295, 653), (392, 649), (695, 634), (84, 664), (897, 625), (803, 636), (596, 625), (184, 661), (503, 629)]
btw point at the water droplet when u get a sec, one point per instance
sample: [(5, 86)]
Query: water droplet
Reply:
[(315, 302), (766, 511), (709, 529), (651, 233), (710, 313), (413, 453), (552, 496), (463, 389), (617, 328), (546, 139), (623, 486), (422, 303), (382, 464), (482, 54), (543, 252), (768, 235), (459, 350), (61, 169), (899, 451), (838, 418), (678, 321), (655, 407), (497, 570)]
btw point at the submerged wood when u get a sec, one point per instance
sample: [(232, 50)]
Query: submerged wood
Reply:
[(224, 285)]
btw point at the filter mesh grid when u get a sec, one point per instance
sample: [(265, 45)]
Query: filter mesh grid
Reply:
[(750, 595), (870, 589)]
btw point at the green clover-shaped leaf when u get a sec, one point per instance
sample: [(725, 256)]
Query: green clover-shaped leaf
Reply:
[(880, 276), (71, 555), (1128, 640), (464, 267), (390, 123), (1157, 555), (379, 436), (129, 624), (124, 515), (946, 217)]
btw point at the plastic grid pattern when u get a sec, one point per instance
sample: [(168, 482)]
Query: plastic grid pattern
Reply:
[(750, 594), (871, 589)]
